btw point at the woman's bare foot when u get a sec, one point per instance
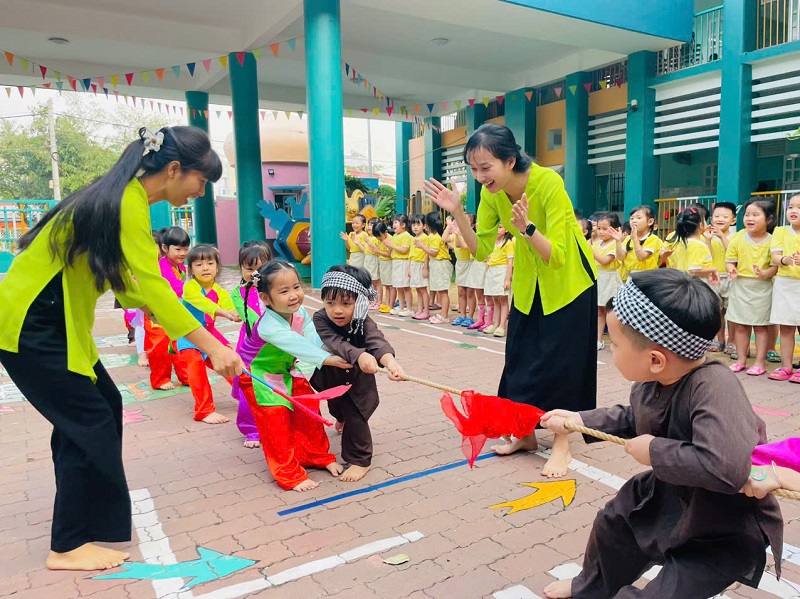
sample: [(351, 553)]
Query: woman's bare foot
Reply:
[(528, 443), (143, 363), (86, 557), (560, 589), (335, 468), (557, 465), (339, 426), (167, 386), (215, 418), (354, 473), (252, 444), (306, 485)]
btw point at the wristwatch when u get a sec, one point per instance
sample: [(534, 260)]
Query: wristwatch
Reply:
[(530, 230)]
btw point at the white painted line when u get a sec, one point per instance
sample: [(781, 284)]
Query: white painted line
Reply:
[(320, 565), (154, 544), (516, 592), (601, 476), (565, 571), (780, 588)]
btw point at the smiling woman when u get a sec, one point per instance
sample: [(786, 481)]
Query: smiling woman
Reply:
[(98, 239), (550, 359)]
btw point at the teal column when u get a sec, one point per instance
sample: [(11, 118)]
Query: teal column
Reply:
[(476, 116), (433, 148), (244, 100), (160, 216), (577, 172), (402, 136), (325, 134), (205, 213), (641, 165), (737, 155), (521, 118)]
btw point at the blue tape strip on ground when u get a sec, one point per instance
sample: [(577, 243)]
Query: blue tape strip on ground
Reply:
[(388, 483)]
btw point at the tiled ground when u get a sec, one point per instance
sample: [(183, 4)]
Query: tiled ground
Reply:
[(194, 485)]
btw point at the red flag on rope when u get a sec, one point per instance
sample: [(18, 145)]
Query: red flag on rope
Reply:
[(488, 417)]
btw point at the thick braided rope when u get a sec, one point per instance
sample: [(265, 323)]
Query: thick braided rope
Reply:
[(414, 379)]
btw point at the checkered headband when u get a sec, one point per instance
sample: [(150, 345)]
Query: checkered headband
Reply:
[(634, 308), (341, 280)]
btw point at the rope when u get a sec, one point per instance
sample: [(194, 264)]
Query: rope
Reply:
[(414, 379)]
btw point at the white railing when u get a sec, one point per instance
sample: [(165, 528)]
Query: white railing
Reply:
[(782, 200), (705, 45)]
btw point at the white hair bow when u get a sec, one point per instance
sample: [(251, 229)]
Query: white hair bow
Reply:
[(152, 141)]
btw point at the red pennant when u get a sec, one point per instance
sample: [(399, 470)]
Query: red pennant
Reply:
[(363, 110), (500, 99), (94, 88), (263, 114), (47, 85), (43, 69), (471, 102), (21, 91), (230, 114), (73, 83), (389, 110), (240, 58), (194, 112), (558, 91), (159, 74), (274, 48), (588, 87), (10, 59), (129, 78), (133, 98), (529, 95)]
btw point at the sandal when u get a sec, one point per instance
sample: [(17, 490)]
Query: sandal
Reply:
[(421, 316), (716, 347), (774, 357), (795, 378), (458, 321), (755, 371), (730, 348), (783, 373), (736, 367)]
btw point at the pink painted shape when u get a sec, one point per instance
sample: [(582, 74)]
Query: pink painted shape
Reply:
[(6, 409), (129, 417), (770, 412)]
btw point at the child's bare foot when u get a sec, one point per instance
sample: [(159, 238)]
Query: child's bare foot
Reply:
[(557, 465), (167, 386), (143, 363), (86, 557), (528, 443), (354, 473), (561, 589), (339, 426), (215, 418), (335, 468), (252, 444), (306, 485)]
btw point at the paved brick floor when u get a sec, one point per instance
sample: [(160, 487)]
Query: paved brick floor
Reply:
[(196, 486)]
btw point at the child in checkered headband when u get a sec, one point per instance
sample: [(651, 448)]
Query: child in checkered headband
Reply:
[(691, 422)]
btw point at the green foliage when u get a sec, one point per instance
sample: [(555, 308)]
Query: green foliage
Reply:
[(464, 200), (385, 207), (386, 191), (352, 183)]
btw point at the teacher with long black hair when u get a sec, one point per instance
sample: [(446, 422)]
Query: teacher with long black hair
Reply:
[(551, 355), (98, 239)]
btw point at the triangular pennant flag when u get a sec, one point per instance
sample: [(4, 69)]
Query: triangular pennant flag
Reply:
[(486, 102), (389, 110), (558, 90), (364, 110), (207, 64), (223, 60), (458, 104), (166, 107), (377, 111), (430, 107), (240, 58), (263, 114), (205, 113), (529, 95), (58, 75), (471, 102), (145, 76), (72, 83), (94, 88), (288, 115), (219, 112), (300, 113), (349, 112), (33, 89), (274, 48), (176, 70), (160, 74), (105, 91), (24, 62), (133, 100), (257, 53), (47, 85), (500, 99), (86, 83), (43, 70), (618, 81), (572, 89), (346, 70), (182, 111), (190, 67), (114, 80), (152, 105), (101, 82), (588, 87), (444, 105), (8, 92), (230, 114), (292, 43), (129, 78), (10, 59), (603, 84), (60, 85), (21, 91), (416, 108)]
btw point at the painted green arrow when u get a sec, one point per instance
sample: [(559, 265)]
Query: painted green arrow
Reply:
[(210, 566)]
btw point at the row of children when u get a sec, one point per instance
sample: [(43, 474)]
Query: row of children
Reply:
[(753, 271), (276, 332), (401, 262)]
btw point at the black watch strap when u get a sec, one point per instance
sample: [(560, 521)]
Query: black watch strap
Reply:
[(530, 230)]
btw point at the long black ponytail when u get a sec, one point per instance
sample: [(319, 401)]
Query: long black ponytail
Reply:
[(88, 221)]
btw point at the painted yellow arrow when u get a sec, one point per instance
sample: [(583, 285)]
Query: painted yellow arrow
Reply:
[(545, 493)]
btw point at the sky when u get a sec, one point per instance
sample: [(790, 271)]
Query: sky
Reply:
[(355, 129)]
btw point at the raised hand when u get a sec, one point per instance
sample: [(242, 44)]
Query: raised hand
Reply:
[(444, 197), (519, 214), (616, 234)]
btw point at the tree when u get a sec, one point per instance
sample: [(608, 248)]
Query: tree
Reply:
[(386, 191), (352, 183)]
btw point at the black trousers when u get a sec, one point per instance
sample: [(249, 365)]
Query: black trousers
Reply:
[(356, 436), (92, 501)]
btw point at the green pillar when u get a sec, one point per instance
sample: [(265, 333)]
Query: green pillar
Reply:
[(641, 164), (244, 98), (160, 216), (433, 148), (476, 116), (325, 134), (577, 171), (521, 118), (205, 214), (737, 154), (402, 136)]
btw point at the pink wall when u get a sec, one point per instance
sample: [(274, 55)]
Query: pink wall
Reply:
[(228, 229), (285, 174)]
